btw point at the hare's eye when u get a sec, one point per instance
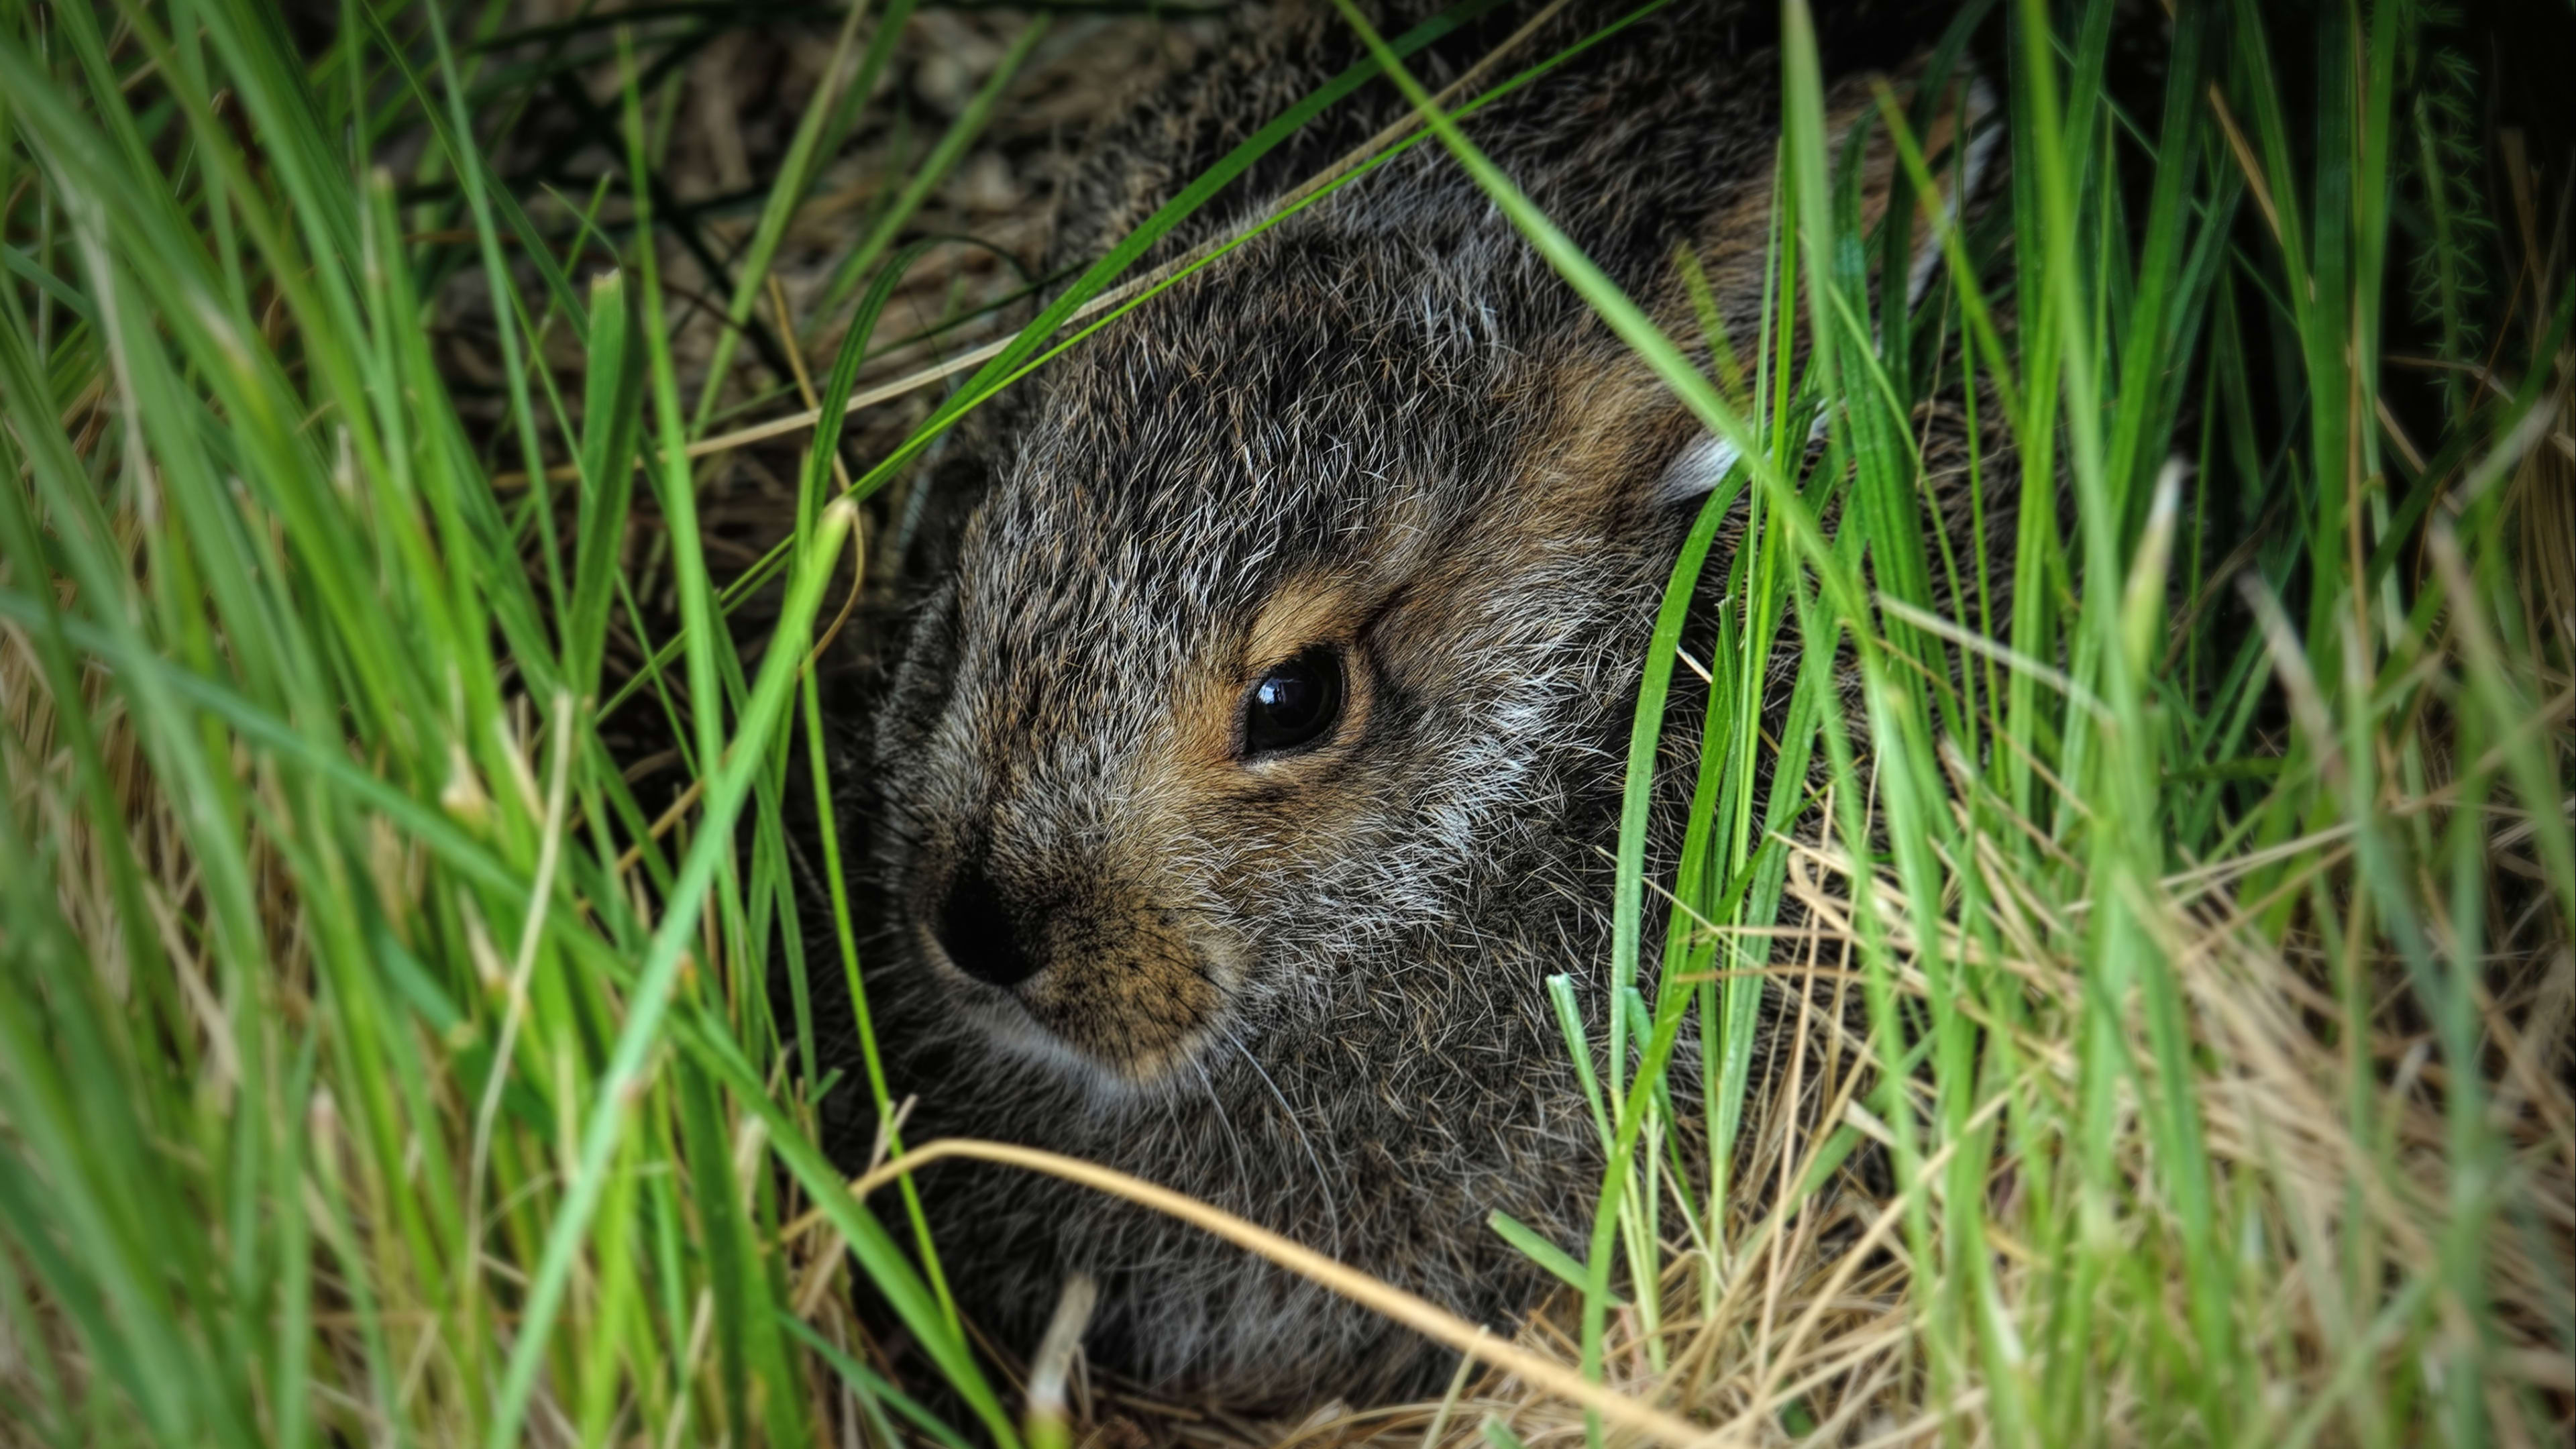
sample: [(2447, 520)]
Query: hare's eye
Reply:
[(1295, 704)]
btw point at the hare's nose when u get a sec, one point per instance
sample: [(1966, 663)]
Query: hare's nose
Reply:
[(975, 929)]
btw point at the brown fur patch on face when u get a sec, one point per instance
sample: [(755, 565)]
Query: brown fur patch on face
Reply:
[(1126, 985), (1202, 763), (1309, 609)]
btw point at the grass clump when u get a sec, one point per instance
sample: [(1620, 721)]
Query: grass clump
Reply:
[(381, 1060)]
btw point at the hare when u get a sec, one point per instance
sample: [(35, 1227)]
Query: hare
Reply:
[(1254, 763)]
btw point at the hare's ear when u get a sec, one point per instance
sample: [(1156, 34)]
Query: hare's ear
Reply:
[(1958, 146)]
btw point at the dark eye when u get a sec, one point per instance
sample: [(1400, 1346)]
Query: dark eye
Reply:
[(1295, 703)]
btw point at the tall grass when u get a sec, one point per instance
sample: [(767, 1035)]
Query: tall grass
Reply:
[(376, 1065)]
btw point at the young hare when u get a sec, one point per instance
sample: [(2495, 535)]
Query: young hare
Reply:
[(1253, 766)]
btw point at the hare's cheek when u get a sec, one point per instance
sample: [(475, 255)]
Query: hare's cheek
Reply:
[(1125, 990)]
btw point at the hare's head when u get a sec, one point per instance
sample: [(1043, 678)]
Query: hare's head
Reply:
[(1220, 717), (1293, 626), (1306, 616)]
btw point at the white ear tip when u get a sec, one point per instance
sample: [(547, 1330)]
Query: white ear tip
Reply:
[(1697, 469)]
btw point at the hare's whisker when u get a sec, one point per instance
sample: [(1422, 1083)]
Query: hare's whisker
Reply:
[(1323, 1180)]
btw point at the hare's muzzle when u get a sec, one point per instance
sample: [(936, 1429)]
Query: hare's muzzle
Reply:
[(1087, 959)]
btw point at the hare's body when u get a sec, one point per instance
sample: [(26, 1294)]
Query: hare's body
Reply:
[(1306, 984)]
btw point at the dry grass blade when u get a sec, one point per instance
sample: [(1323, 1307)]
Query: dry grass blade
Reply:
[(1416, 1313)]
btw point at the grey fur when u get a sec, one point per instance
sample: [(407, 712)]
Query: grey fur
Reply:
[(1390, 415)]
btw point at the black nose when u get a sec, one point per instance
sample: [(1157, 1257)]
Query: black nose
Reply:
[(977, 931)]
